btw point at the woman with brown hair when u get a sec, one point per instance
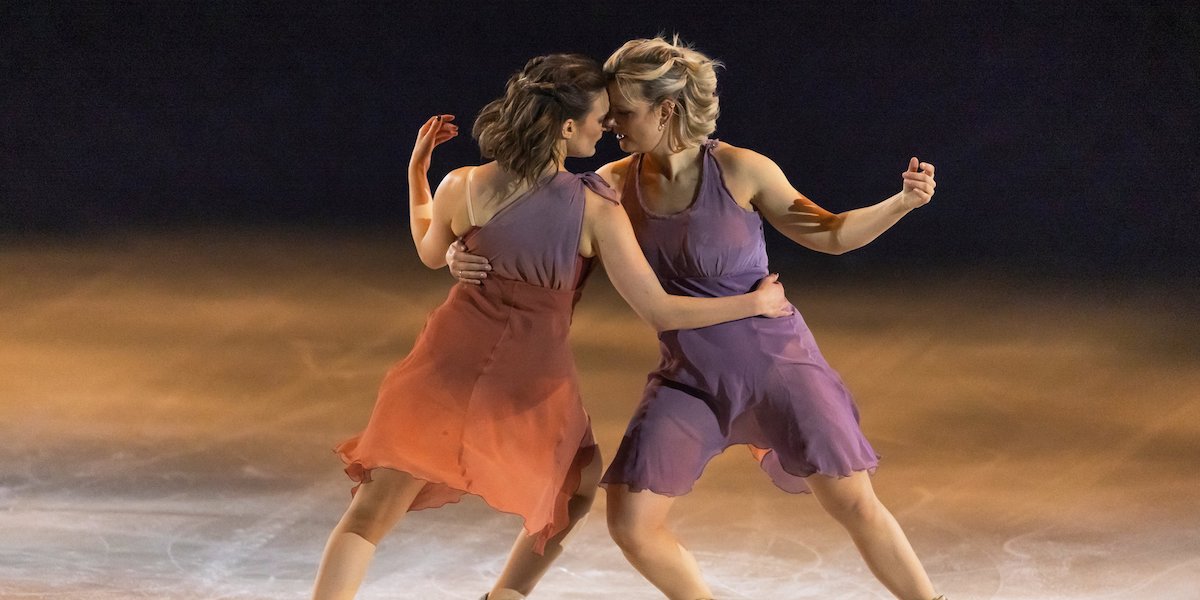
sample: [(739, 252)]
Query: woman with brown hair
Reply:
[(487, 403)]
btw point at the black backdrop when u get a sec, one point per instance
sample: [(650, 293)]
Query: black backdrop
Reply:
[(1066, 137)]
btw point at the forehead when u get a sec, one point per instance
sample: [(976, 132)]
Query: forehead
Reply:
[(600, 104), (618, 98)]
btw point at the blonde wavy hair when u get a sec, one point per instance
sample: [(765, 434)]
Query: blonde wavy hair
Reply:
[(656, 70)]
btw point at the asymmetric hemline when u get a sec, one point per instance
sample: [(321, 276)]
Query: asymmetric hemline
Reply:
[(487, 402), (757, 382)]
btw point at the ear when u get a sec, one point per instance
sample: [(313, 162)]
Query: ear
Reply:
[(666, 108), (568, 129)]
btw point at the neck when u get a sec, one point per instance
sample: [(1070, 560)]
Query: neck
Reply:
[(512, 183), (551, 168), (669, 164), (559, 164)]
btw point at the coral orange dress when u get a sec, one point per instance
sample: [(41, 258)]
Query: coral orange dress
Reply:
[(487, 402)]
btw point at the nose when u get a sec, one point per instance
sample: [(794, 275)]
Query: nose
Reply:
[(608, 122)]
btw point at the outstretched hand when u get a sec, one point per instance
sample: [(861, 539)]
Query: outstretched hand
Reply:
[(918, 185), (436, 130)]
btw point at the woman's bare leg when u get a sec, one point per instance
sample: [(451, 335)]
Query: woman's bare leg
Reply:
[(376, 508), (637, 522), (883, 545), (525, 567)]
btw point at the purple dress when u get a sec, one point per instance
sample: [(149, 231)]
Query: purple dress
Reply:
[(756, 381)]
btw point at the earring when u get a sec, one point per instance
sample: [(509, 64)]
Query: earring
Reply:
[(662, 125)]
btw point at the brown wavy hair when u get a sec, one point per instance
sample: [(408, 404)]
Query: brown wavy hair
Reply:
[(520, 130)]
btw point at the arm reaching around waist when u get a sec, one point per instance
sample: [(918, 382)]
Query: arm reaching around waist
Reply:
[(466, 267), (608, 233)]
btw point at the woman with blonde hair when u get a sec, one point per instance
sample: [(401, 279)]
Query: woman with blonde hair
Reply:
[(697, 207), (487, 403)]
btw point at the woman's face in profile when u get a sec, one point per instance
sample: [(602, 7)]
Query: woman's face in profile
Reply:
[(633, 121), (589, 129)]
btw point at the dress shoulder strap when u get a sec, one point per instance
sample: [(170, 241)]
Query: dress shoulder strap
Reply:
[(597, 184), (470, 206), (706, 151)]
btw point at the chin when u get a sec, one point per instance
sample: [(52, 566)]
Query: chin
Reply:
[(631, 147)]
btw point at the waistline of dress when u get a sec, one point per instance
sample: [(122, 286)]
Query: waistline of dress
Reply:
[(518, 294), (722, 285)]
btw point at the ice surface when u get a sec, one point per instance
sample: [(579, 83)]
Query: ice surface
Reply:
[(168, 404)]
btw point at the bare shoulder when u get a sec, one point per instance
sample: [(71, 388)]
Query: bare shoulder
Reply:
[(614, 172), (746, 172), (595, 204), (600, 216), (600, 213), (741, 162), (481, 178), (457, 178)]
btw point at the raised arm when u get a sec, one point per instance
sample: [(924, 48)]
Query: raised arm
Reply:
[(430, 215), (607, 230), (813, 227)]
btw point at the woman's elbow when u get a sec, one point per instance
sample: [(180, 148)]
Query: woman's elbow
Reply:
[(433, 262), (664, 321), (835, 244), (829, 245), (661, 326), (660, 320)]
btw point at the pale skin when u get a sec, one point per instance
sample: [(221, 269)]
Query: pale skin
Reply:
[(437, 220), (669, 179)]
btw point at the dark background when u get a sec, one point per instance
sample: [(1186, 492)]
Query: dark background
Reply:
[(1065, 137)]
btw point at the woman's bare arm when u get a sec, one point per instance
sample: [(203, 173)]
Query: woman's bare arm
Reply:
[(611, 235), (430, 215), (807, 224)]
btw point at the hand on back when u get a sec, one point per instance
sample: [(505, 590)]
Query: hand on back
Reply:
[(466, 267)]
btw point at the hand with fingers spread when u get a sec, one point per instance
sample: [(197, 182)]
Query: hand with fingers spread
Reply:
[(773, 302), (466, 267), (918, 185), (438, 129)]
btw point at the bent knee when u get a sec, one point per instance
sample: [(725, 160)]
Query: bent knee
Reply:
[(855, 510), (628, 532), (626, 536), (370, 527), (370, 520), (580, 503)]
